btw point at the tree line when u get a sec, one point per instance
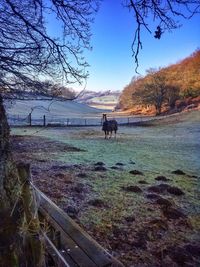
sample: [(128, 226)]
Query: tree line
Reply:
[(162, 88)]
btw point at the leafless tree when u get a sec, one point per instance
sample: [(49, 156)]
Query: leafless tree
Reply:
[(165, 13), (28, 50)]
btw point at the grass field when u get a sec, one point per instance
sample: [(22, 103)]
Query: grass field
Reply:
[(148, 217)]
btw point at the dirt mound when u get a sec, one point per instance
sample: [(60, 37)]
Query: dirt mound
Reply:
[(165, 188), (136, 172), (132, 188), (172, 213), (161, 178), (100, 168), (178, 172), (175, 191), (99, 203), (142, 182)]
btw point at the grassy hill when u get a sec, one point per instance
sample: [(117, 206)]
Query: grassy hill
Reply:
[(103, 100), (54, 110)]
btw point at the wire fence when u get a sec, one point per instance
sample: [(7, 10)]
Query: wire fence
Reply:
[(53, 120)]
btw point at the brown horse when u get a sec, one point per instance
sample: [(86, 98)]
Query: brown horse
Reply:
[(109, 126)]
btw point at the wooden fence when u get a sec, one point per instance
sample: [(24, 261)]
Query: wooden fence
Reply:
[(47, 120), (66, 242)]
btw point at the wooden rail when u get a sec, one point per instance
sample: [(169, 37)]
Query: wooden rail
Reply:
[(66, 242)]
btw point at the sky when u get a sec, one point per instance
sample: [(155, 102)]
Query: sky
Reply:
[(111, 63)]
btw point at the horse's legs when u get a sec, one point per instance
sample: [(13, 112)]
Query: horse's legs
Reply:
[(105, 134), (110, 134), (115, 134)]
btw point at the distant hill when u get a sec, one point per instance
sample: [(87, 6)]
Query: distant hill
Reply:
[(181, 88), (56, 110), (103, 100)]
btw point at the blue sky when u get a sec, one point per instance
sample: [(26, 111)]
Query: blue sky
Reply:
[(111, 63)]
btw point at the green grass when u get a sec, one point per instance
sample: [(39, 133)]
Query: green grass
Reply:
[(171, 144)]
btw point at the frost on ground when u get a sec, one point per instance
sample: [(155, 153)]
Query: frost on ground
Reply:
[(137, 195)]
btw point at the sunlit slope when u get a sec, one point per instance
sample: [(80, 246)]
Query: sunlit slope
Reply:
[(50, 107)]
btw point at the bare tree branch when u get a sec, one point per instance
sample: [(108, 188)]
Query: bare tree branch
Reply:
[(165, 14), (29, 53)]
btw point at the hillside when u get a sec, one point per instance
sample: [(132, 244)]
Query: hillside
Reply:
[(167, 90), (103, 100), (55, 110)]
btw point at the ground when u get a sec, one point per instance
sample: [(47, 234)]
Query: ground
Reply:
[(137, 195)]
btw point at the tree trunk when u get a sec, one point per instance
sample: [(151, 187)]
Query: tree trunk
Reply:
[(11, 205), (158, 109)]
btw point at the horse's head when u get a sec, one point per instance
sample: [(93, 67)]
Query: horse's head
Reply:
[(104, 117)]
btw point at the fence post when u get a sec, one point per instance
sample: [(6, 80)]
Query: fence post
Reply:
[(44, 120), (34, 249), (30, 120)]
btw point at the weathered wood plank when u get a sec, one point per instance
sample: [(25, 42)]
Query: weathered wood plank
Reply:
[(85, 242), (68, 245), (61, 261)]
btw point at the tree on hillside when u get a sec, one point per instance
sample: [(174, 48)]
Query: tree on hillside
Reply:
[(152, 91), (171, 95), (182, 80)]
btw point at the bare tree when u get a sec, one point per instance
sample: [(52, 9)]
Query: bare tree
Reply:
[(29, 52), (166, 14)]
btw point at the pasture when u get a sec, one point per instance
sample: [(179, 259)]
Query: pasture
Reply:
[(125, 192)]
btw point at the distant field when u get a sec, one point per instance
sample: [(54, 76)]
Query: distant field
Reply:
[(61, 112), (150, 217), (55, 111)]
